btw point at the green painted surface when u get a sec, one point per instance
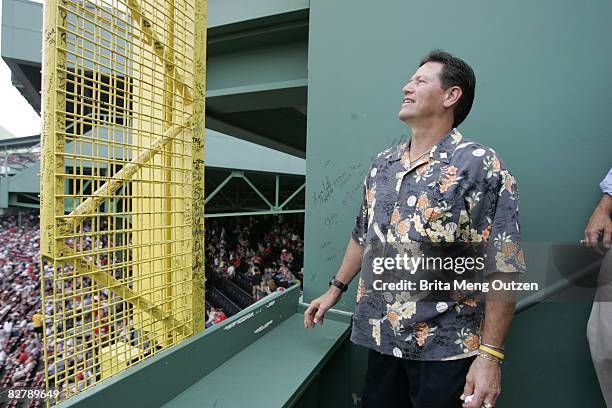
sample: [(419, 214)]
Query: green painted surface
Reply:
[(22, 21), (22, 30), (258, 66), (548, 361), (26, 181), (548, 365), (340, 382), (542, 101), (4, 194), (254, 92), (277, 95), (155, 381), (226, 12), (270, 371)]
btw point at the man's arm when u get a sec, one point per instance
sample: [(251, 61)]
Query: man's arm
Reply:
[(505, 262), (484, 379), (499, 311), (351, 264), (498, 316)]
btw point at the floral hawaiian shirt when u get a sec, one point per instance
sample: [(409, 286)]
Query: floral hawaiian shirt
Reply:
[(461, 193)]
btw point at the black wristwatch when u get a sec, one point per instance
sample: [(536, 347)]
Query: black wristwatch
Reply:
[(338, 284)]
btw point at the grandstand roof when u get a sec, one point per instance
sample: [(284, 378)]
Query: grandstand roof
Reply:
[(248, 95), (19, 142), (5, 134), (221, 152), (261, 107)]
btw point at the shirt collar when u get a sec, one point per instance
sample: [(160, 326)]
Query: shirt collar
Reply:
[(443, 151)]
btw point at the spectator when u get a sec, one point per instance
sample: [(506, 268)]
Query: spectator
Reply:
[(259, 292), (238, 248), (8, 328), (599, 327), (220, 317), (37, 322), (255, 250), (215, 316)]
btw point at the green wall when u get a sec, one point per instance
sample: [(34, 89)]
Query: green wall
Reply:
[(542, 101)]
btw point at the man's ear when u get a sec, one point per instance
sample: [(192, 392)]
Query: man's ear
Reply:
[(452, 96)]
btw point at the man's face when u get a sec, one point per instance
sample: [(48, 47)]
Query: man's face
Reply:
[(423, 94)]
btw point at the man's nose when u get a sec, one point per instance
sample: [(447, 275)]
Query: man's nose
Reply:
[(407, 89)]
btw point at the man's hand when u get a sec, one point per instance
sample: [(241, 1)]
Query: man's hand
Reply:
[(351, 263), (483, 381), (600, 223), (318, 307)]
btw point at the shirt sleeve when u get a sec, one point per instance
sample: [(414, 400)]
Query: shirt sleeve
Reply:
[(503, 247), (361, 221), (606, 184)]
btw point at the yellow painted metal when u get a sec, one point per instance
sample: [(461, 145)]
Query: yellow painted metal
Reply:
[(117, 358), (122, 194), (195, 206)]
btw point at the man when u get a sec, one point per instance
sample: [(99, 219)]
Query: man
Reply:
[(600, 223), (439, 187), (37, 323), (599, 327)]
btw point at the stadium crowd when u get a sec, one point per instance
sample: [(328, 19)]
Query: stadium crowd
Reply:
[(20, 300), (253, 255), (70, 344), (247, 258)]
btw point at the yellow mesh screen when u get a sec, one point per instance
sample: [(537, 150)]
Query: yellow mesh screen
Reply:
[(121, 184)]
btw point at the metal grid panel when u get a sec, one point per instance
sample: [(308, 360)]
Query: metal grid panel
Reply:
[(121, 184)]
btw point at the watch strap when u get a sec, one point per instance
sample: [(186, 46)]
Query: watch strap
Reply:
[(335, 282)]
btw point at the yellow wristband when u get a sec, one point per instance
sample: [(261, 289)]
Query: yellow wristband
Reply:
[(492, 352)]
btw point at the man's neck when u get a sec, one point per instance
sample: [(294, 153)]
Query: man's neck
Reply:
[(426, 137)]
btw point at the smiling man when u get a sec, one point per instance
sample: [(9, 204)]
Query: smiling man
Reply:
[(438, 188)]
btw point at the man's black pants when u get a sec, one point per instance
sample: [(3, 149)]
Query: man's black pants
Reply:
[(395, 382)]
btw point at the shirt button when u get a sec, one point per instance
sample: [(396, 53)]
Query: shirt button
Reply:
[(441, 307), (412, 200), (397, 352), (478, 152)]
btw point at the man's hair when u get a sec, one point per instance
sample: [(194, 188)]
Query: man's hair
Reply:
[(455, 72)]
